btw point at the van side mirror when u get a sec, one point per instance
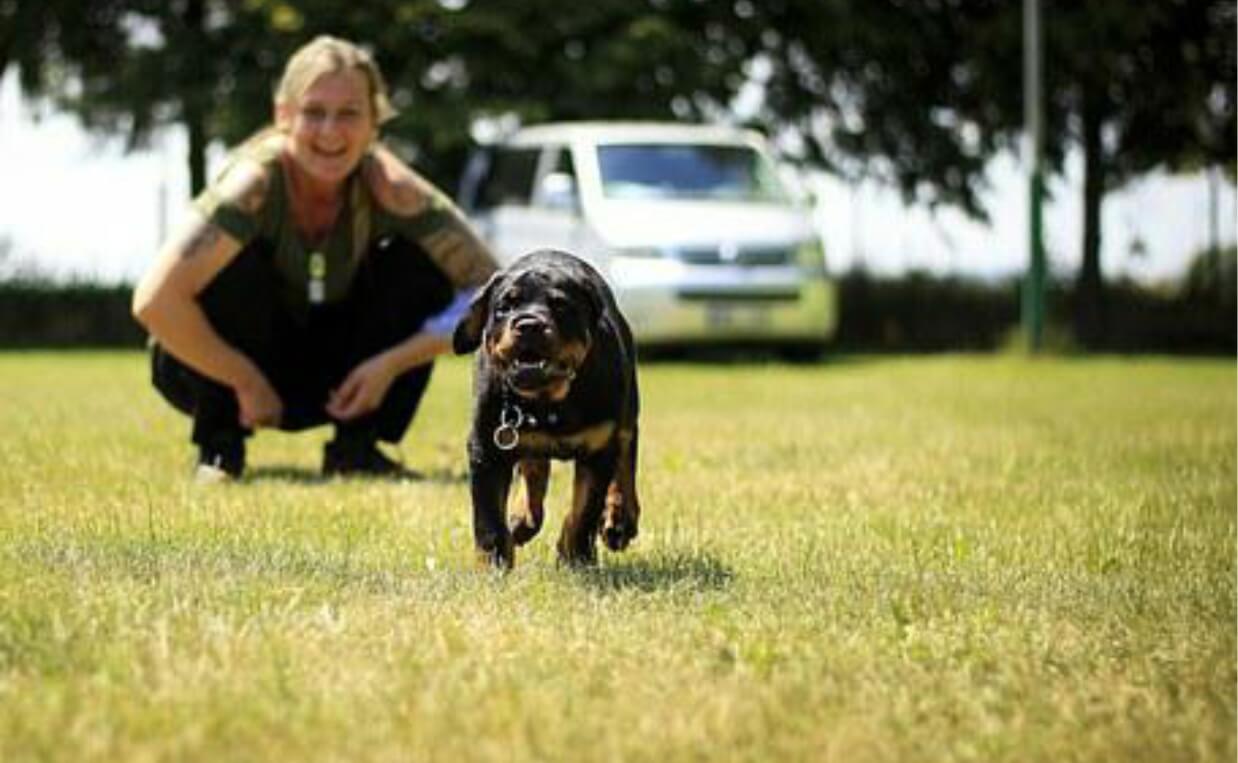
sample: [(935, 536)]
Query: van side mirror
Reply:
[(557, 190)]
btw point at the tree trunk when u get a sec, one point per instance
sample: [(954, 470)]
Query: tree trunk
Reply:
[(22, 38), (194, 95), (1090, 326), (196, 124)]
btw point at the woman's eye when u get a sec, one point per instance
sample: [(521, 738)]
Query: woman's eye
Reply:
[(314, 113)]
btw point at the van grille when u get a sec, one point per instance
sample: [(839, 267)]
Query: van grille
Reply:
[(749, 256), (751, 296)]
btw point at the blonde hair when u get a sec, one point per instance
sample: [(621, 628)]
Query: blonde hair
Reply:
[(328, 55)]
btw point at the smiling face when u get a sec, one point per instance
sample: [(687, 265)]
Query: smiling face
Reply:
[(330, 125)]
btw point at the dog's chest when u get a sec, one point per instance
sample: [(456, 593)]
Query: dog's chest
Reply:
[(566, 445)]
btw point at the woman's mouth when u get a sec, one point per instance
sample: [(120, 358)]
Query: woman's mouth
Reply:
[(331, 154)]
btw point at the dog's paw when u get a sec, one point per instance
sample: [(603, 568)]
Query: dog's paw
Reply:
[(496, 553), (524, 528), (618, 532)]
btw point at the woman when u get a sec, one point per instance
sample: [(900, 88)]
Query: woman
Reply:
[(315, 281)]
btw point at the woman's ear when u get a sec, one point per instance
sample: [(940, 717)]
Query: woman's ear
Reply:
[(283, 115)]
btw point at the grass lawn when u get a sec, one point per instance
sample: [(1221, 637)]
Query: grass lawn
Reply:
[(929, 559)]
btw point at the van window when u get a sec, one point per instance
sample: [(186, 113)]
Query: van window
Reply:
[(509, 179), (687, 171), (557, 187)]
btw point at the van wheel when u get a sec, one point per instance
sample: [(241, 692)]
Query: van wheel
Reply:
[(802, 352)]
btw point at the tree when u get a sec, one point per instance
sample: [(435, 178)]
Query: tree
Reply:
[(123, 66), (42, 37), (923, 94), (1159, 93)]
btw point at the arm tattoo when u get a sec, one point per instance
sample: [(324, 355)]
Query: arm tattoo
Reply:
[(200, 241), (408, 199), (254, 197)]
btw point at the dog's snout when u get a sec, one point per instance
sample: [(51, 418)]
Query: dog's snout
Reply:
[(529, 325)]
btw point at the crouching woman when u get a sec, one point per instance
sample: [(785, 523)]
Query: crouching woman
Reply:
[(314, 282)]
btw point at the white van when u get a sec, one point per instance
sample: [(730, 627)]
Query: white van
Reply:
[(690, 224)]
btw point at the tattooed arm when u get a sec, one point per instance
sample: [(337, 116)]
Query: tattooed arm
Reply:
[(431, 219), (165, 302)]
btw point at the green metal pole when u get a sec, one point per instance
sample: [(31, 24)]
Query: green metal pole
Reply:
[(1033, 312), (1034, 284)]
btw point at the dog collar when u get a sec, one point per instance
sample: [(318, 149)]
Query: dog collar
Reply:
[(513, 418)]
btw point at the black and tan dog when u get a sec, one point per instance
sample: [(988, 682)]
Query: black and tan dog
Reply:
[(555, 378)]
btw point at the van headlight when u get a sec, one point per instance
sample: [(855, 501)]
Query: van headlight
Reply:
[(810, 256)]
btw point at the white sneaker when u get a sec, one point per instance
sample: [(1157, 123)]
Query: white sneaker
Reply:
[(209, 474)]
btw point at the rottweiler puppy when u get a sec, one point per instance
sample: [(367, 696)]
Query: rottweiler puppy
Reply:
[(555, 379)]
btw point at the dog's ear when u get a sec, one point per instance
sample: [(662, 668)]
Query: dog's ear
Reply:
[(590, 305), (589, 285), (467, 336), (597, 305)]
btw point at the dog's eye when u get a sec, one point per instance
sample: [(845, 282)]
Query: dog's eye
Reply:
[(505, 304)]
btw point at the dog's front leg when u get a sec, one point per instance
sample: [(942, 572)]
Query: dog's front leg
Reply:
[(490, 480), (577, 541), (525, 523), (621, 519)]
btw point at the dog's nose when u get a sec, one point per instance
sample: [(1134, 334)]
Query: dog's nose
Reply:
[(528, 325)]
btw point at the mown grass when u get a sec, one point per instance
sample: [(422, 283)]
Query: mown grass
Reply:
[(936, 559)]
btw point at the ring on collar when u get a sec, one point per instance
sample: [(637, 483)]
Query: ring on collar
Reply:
[(511, 418)]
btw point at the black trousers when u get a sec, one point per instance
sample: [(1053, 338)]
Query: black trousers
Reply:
[(306, 353)]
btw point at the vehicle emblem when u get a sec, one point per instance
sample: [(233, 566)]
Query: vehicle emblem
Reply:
[(728, 252)]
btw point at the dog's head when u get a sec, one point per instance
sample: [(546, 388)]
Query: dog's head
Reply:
[(536, 321)]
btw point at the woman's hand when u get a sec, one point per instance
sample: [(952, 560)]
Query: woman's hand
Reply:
[(259, 403), (363, 390)]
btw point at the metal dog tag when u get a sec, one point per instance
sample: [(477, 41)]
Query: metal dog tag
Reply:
[(317, 278)]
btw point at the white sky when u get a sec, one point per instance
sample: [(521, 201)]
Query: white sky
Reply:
[(76, 205)]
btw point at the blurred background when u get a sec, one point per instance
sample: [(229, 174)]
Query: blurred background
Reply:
[(905, 121)]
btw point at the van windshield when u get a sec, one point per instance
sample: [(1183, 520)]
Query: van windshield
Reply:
[(687, 171)]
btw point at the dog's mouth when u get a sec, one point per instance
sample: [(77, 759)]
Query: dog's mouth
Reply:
[(531, 372), (537, 363)]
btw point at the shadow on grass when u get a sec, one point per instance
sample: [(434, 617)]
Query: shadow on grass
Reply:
[(295, 474), (677, 570), (303, 476)]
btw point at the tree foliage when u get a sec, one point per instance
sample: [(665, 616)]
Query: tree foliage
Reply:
[(923, 94)]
